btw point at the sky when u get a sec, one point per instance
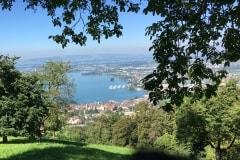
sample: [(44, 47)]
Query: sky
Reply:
[(25, 34)]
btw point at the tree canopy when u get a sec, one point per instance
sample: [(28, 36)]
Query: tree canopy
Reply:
[(191, 38), (187, 41), (213, 121), (56, 83), (23, 104)]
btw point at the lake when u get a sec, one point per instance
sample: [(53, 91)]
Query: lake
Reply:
[(95, 88), (100, 88)]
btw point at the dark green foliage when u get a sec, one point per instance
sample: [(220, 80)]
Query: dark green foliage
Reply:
[(139, 130), (23, 104), (123, 132), (213, 121), (167, 143), (31, 107), (151, 124), (101, 131), (8, 75), (223, 117), (191, 127), (187, 38), (232, 153), (143, 155)]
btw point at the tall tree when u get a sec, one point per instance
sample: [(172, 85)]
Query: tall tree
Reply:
[(123, 131), (191, 126), (188, 36), (214, 121), (101, 131), (54, 76), (22, 101), (8, 75), (223, 118), (151, 124), (30, 106)]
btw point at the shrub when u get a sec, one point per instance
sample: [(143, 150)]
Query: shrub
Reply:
[(73, 133), (168, 144)]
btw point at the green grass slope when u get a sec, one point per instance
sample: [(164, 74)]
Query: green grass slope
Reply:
[(22, 149)]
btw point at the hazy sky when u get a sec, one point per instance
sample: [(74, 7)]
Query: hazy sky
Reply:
[(25, 33)]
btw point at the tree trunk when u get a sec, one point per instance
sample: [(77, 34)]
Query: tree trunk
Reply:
[(53, 134), (218, 154), (5, 139)]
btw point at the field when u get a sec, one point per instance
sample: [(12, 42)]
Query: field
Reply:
[(22, 149)]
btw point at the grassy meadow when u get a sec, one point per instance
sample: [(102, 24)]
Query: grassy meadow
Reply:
[(22, 149)]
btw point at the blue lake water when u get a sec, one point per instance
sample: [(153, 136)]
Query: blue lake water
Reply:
[(100, 88), (95, 88)]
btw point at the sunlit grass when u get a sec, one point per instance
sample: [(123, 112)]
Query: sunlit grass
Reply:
[(61, 150), (112, 149)]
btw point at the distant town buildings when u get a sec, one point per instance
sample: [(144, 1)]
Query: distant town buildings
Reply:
[(95, 109)]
